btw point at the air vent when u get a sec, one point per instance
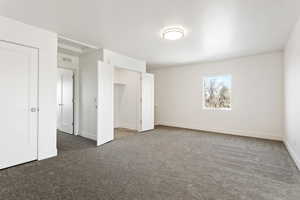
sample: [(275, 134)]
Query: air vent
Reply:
[(67, 60)]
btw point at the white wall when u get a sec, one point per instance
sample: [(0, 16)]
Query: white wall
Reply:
[(125, 62), (46, 42), (118, 89), (88, 64), (126, 99), (292, 94), (89, 90), (72, 62), (257, 96)]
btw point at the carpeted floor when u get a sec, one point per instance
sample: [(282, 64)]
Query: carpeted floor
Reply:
[(164, 164), (123, 132), (67, 142)]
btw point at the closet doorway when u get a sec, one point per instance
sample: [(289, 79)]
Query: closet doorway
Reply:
[(127, 99)]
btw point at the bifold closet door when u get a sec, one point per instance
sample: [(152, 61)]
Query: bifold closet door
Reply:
[(105, 112), (147, 89), (18, 104), (65, 96)]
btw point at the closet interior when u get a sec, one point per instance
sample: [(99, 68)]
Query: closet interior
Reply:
[(127, 99)]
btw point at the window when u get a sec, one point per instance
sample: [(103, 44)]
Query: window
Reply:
[(217, 92)]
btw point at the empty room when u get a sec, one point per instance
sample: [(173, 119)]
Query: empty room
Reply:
[(150, 100)]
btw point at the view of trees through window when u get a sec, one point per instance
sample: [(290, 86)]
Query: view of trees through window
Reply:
[(217, 92)]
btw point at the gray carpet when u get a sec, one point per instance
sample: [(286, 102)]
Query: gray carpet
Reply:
[(164, 164), (67, 142), (123, 132)]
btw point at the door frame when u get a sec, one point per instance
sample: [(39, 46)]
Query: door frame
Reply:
[(75, 110), (139, 95), (37, 92), (116, 60)]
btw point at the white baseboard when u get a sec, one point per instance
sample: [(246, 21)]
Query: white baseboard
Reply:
[(254, 134), (88, 135), (293, 154)]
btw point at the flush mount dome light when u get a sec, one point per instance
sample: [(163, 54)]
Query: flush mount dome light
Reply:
[(172, 33)]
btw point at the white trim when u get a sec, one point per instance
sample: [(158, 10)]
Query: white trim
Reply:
[(253, 134), (292, 154)]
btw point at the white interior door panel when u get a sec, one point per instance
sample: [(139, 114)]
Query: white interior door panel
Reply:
[(65, 101), (18, 104), (147, 88), (105, 125)]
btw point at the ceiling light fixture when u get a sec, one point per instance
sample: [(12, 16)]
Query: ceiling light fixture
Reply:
[(173, 33)]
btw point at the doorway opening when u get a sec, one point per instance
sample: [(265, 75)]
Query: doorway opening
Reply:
[(127, 103), (97, 74), (76, 95), (126, 99)]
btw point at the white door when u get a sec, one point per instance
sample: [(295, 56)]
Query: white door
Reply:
[(147, 89), (65, 83), (18, 104), (105, 125)]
